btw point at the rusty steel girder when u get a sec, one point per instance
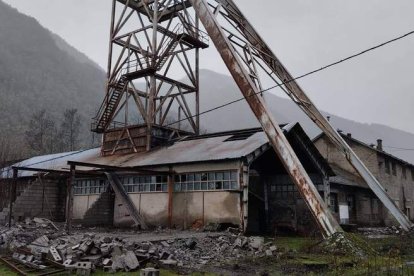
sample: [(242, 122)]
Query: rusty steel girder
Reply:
[(317, 206), (263, 52)]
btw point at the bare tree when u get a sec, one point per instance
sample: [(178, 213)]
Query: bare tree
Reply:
[(41, 133), (70, 129)]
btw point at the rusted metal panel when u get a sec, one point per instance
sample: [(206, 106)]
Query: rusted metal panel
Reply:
[(294, 91), (323, 216)]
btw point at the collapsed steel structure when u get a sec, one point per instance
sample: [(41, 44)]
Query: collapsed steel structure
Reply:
[(168, 39)]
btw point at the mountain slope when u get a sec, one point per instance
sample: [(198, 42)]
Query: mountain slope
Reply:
[(39, 70), (217, 89)]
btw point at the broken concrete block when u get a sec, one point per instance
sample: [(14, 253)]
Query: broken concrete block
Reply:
[(106, 262), (68, 263), (256, 242), (42, 241), (83, 268), (130, 260), (273, 248), (169, 262), (116, 251), (55, 254), (94, 251), (190, 244), (86, 246), (269, 252), (117, 263), (164, 255), (150, 272), (165, 244), (240, 242)]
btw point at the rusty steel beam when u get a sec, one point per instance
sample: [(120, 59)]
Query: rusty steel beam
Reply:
[(296, 93), (318, 208)]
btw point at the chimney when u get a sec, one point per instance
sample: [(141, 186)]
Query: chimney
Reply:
[(349, 135), (379, 144)]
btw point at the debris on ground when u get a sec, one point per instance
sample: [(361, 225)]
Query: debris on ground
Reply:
[(83, 252), (344, 244)]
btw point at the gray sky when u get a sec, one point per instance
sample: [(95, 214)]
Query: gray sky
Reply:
[(305, 35)]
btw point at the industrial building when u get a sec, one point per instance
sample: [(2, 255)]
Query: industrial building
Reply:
[(351, 200), (230, 178)]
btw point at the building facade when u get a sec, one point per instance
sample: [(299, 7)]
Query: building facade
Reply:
[(351, 195), (229, 178)]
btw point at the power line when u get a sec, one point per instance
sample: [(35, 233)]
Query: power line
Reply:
[(300, 77), (398, 149), (268, 89)]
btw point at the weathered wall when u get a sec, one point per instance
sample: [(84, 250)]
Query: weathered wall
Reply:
[(400, 187), (189, 207), (81, 204), (100, 212), (41, 199)]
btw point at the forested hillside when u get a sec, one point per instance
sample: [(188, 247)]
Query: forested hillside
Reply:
[(39, 71)]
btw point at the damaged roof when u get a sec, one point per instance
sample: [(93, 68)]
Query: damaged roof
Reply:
[(211, 147)]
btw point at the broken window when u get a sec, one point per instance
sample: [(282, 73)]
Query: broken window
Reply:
[(404, 173), (334, 202), (89, 186), (394, 168), (387, 166), (220, 180)]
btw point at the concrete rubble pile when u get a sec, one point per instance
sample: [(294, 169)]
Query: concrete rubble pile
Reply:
[(381, 231), (86, 252)]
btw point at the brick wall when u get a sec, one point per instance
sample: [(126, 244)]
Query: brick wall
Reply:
[(101, 212), (41, 199)]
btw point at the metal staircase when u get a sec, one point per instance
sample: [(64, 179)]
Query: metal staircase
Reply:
[(108, 107)]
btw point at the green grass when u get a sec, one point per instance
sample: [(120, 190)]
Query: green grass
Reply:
[(5, 271), (294, 243)]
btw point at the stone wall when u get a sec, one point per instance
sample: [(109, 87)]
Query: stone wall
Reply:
[(400, 187)]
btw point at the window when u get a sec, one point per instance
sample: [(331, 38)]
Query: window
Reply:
[(285, 190), (220, 180), (334, 202), (394, 168), (153, 183), (412, 174), (387, 166), (90, 186), (404, 172)]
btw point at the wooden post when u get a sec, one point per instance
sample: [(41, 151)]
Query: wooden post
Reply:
[(69, 198), (170, 198), (12, 194)]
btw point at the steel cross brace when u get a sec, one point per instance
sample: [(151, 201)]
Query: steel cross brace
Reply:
[(295, 92), (318, 208)]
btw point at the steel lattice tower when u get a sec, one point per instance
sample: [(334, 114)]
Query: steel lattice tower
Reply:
[(153, 75), (151, 41)]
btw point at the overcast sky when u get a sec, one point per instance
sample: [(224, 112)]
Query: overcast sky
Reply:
[(305, 35)]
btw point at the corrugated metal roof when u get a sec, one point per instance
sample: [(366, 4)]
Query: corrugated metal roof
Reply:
[(51, 162), (208, 148), (199, 150)]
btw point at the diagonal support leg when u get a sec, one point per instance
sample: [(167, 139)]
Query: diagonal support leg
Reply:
[(294, 91), (123, 195), (318, 208)]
